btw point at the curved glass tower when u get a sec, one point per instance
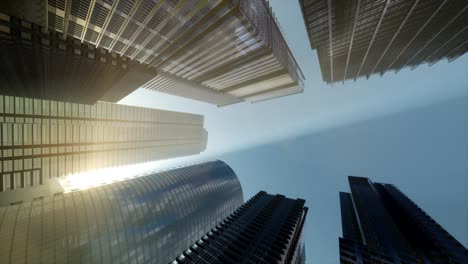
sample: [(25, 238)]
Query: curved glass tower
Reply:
[(148, 219)]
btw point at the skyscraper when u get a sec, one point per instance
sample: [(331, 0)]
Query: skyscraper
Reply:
[(148, 219), (40, 64), (380, 223), (42, 139), (218, 51), (362, 37), (266, 229)]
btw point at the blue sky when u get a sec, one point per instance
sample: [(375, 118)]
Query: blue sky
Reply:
[(409, 129)]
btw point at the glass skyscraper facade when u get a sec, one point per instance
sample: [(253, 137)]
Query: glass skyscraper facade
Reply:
[(148, 219), (217, 51), (42, 139), (382, 225), (265, 230), (41, 64), (358, 38)]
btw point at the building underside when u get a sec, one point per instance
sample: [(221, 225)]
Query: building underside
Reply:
[(364, 37), (217, 51), (42, 65)]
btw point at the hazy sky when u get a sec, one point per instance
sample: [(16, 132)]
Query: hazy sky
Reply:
[(409, 129), (424, 152)]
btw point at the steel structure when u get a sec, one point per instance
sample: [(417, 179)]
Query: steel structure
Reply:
[(264, 230), (217, 51), (363, 37), (382, 225), (148, 219)]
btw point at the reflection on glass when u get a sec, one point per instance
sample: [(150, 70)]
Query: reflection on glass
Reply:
[(146, 219)]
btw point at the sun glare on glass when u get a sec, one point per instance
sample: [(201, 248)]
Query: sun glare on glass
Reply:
[(82, 181)]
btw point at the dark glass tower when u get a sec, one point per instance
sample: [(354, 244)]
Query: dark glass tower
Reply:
[(148, 219), (266, 229), (380, 223), (40, 63), (356, 38)]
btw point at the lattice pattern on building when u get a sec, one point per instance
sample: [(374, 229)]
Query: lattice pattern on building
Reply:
[(174, 85), (363, 37), (382, 225), (42, 65), (265, 230), (235, 50), (148, 219), (230, 47), (43, 139)]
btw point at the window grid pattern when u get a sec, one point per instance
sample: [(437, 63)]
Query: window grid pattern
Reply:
[(143, 220), (369, 37), (266, 229), (43, 65), (165, 82), (387, 227), (233, 48), (42, 139), (439, 243), (208, 44), (238, 51), (354, 252)]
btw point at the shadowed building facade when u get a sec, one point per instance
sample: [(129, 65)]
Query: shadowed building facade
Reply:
[(147, 219), (266, 229), (40, 64), (216, 51), (381, 224), (364, 37), (42, 139)]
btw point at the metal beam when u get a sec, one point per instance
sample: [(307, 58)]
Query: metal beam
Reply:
[(358, 6), (417, 33), (124, 25), (144, 24), (286, 86), (261, 78), (174, 12), (457, 47), (199, 36), (382, 15), (445, 43), (46, 17), (395, 35), (66, 19), (230, 65), (88, 18), (154, 32), (464, 49), (436, 35), (330, 39), (106, 23), (168, 78)]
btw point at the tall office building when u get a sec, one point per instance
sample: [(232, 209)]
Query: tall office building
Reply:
[(362, 37), (218, 51), (381, 224), (266, 229), (40, 64), (148, 219), (42, 139)]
